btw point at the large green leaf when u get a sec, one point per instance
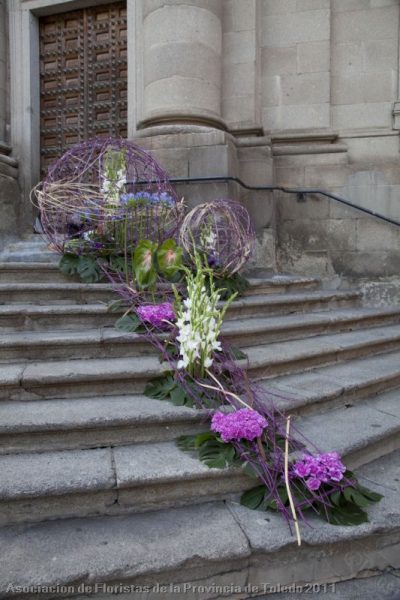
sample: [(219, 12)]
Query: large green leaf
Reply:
[(211, 450), (169, 259), (254, 497), (143, 264), (347, 515), (69, 264), (128, 323), (88, 269)]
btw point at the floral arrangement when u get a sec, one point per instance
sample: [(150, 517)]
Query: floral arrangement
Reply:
[(222, 232), (97, 210)]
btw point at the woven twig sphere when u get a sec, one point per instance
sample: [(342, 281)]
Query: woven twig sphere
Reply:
[(102, 182), (222, 231)]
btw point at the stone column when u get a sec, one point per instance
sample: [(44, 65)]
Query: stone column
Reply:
[(182, 63), (9, 189), (3, 73)]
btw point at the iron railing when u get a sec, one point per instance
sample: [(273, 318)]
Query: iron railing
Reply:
[(301, 193)]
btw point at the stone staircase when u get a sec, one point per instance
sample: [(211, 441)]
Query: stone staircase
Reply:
[(93, 489)]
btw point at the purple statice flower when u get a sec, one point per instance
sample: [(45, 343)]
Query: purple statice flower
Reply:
[(156, 314), (323, 468), (243, 424)]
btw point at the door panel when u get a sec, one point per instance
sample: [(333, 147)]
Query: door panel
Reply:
[(83, 77)]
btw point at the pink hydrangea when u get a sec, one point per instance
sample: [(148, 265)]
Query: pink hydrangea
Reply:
[(243, 424), (323, 468), (156, 314)]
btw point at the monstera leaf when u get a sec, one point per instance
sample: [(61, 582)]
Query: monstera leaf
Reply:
[(169, 259), (143, 264)]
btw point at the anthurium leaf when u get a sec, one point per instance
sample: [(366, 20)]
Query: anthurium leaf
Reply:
[(69, 264), (143, 264), (169, 258), (128, 323), (88, 269), (254, 497)]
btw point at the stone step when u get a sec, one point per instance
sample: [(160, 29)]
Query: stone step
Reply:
[(68, 378), (83, 293), (299, 355), (43, 272), (60, 293), (70, 344), (143, 477), (43, 315), (75, 378), (34, 272), (333, 386), (36, 255), (211, 545), (107, 342), (255, 331), (46, 425)]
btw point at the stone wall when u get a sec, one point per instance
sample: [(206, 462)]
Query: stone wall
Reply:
[(300, 93)]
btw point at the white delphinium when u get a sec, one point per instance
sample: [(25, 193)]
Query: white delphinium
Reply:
[(199, 320)]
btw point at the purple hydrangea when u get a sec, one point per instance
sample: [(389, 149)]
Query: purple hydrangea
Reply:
[(243, 424), (156, 314), (323, 468)]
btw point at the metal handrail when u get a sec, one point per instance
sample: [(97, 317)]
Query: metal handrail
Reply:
[(300, 192)]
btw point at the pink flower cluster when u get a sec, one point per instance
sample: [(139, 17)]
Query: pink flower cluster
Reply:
[(243, 424), (322, 468), (156, 314)]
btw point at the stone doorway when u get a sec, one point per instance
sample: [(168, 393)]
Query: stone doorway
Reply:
[(83, 77)]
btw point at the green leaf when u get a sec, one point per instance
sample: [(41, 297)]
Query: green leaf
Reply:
[(160, 388), (249, 470), (201, 438), (178, 396), (346, 516), (254, 497), (88, 269), (169, 259), (350, 494), (143, 264), (186, 442), (216, 455), (128, 323), (116, 305), (237, 353), (228, 286), (211, 451), (118, 263), (372, 496), (335, 498), (69, 264)]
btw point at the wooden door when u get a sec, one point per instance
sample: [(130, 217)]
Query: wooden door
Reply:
[(83, 77)]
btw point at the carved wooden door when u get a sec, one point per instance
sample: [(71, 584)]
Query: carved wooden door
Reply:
[(83, 77)]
